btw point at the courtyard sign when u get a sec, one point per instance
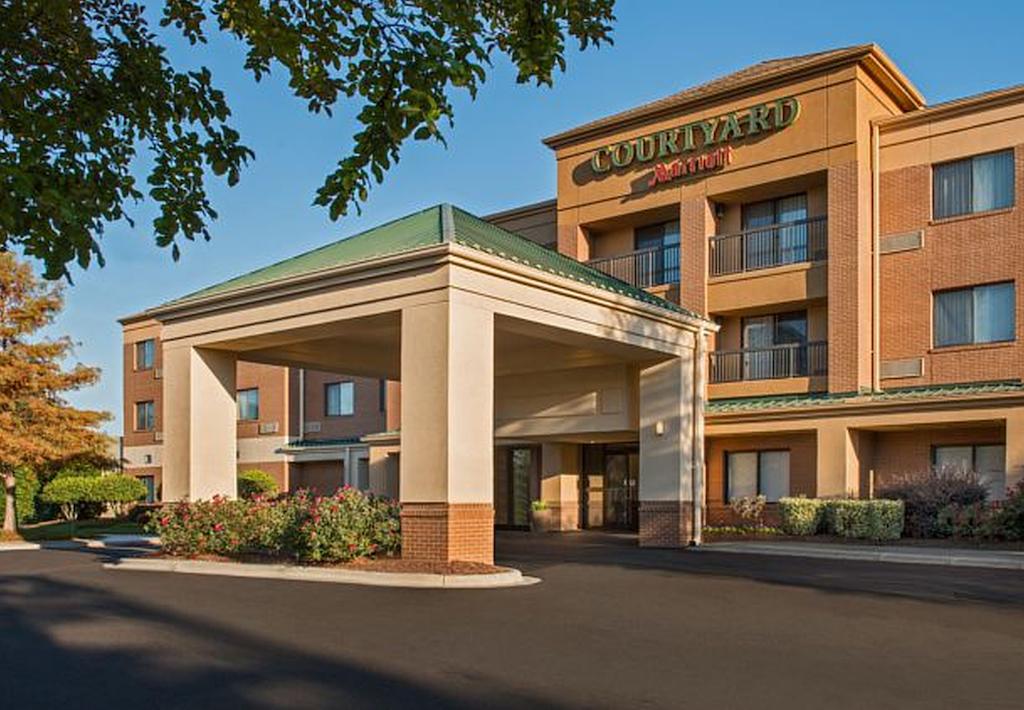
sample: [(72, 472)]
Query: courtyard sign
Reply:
[(708, 134)]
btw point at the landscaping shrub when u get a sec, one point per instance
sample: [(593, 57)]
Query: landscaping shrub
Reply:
[(1008, 519), (118, 491), (307, 528), (974, 521), (865, 519), (87, 496), (926, 494), (750, 509), (801, 516), (26, 489), (68, 493), (255, 482)]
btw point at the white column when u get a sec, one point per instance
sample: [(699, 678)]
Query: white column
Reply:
[(446, 481), (200, 420), (666, 452)]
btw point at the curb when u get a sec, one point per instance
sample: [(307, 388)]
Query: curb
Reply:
[(19, 546), (952, 558), (508, 578)]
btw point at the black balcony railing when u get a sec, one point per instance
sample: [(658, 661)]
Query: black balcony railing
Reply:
[(644, 268), (765, 247), (770, 363)]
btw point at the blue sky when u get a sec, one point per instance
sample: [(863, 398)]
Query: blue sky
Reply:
[(494, 159)]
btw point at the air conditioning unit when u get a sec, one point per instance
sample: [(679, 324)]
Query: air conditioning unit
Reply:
[(158, 373), (268, 427), (158, 436), (311, 428)]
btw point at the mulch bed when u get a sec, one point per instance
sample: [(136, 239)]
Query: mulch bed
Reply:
[(380, 564)]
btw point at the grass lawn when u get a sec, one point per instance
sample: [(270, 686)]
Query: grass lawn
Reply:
[(63, 530)]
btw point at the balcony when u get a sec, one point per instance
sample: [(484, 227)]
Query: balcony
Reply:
[(770, 363), (644, 268), (804, 240)]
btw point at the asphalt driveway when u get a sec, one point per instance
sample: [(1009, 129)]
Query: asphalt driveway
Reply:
[(610, 626)]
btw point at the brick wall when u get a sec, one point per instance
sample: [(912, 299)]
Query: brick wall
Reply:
[(846, 303), (369, 414), (665, 523), (963, 251), (696, 222), (141, 386), (448, 531)]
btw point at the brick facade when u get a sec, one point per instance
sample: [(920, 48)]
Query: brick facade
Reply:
[(448, 531), (957, 252), (665, 523)]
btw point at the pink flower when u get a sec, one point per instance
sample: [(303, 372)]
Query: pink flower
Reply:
[(217, 527)]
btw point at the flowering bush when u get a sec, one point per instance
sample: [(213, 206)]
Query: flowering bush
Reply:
[(304, 527), (749, 509), (1009, 517), (926, 493)]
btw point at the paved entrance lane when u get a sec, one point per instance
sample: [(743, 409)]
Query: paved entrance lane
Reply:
[(610, 626)]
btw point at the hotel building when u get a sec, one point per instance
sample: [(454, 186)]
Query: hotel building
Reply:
[(837, 260)]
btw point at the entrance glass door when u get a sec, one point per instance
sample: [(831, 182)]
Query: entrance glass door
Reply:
[(621, 474), (515, 478)]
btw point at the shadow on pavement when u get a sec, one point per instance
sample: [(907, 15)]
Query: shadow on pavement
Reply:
[(540, 554), (68, 645)]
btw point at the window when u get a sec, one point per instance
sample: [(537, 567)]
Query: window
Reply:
[(249, 404), (661, 265), (988, 461), (339, 398), (145, 416), (145, 354), (775, 232), (978, 184), (382, 396), (980, 314), (150, 485), (764, 339), (751, 473)]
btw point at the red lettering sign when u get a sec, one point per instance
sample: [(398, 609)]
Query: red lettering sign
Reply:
[(705, 162)]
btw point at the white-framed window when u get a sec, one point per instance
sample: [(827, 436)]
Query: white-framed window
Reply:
[(339, 399), (145, 354), (976, 184), (249, 404), (145, 416), (751, 473), (987, 461), (978, 314)]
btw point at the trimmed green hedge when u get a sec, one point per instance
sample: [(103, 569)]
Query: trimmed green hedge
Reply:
[(876, 519), (801, 516), (71, 493), (255, 482)]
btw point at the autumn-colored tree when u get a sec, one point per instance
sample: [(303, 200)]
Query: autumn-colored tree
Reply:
[(37, 426)]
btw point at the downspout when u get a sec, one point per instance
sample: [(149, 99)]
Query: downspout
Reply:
[(876, 290), (697, 432)]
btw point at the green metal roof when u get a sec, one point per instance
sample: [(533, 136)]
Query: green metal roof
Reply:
[(435, 225), (745, 404), (313, 443)]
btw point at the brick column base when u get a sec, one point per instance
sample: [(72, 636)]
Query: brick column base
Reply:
[(665, 523), (443, 532)]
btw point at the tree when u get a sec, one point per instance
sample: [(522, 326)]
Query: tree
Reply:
[(85, 84), (37, 426)]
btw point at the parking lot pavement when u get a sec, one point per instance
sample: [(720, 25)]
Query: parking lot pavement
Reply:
[(609, 626)]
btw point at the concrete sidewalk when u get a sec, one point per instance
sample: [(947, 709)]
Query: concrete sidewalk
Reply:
[(954, 557)]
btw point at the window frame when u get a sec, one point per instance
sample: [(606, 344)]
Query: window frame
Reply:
[(327, 398), (238, 404), (139, 344), (933, 456), (758, 491), (775, 202), (974, 342), (971, 158), (150, 424)]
